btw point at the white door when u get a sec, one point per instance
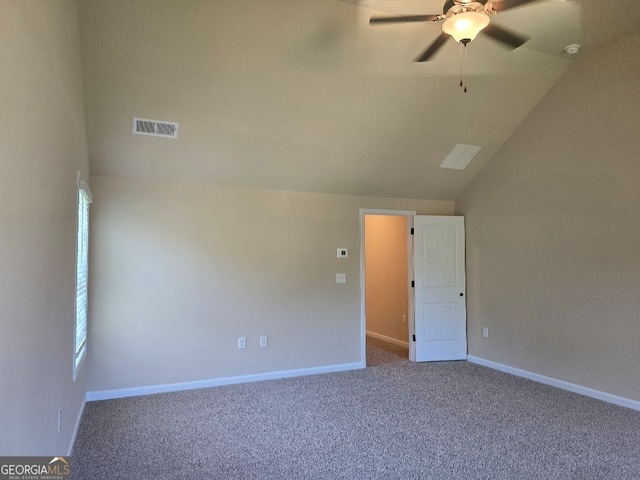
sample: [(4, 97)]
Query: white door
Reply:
[(440, 323)]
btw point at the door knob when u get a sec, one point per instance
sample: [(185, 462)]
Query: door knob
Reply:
[(461, 294)]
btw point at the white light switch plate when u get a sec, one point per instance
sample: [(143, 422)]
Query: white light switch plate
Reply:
[(341, 278)]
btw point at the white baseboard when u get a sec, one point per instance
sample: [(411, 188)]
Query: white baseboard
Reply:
[(75, 429), (217, 382), (384, 338), (572, 387)]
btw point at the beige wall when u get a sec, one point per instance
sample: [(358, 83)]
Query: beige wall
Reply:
[(553, 263), (387, 277), (43, 145), (181, 270)]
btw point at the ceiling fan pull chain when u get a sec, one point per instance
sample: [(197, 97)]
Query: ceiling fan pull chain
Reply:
[(463, 65), (461, 60), (465, 68)]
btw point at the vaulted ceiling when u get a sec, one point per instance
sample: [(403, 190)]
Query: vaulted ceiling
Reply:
[(305, 95)]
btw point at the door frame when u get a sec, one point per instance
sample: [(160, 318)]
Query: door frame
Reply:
[(410, 314)]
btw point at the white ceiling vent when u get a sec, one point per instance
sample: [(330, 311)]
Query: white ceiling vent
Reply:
[(155, 128), (460, 156)]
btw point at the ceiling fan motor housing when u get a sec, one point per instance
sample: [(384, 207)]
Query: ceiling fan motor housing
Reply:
[(457, 6)]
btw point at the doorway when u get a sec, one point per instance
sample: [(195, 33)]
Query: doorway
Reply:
[(436, 307), (386, 272)]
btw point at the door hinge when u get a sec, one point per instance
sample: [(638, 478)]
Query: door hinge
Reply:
[(413, 284), (412, 231), (414, 338)]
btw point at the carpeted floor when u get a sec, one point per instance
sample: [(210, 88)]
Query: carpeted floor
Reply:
[(381, 353), (392, 420)]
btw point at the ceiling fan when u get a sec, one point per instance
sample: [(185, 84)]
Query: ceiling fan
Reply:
[(463, 20)]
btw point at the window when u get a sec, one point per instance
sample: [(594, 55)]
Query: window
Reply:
[(82, 270)]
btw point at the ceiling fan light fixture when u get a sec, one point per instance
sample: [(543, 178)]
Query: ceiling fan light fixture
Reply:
[(465, 25)]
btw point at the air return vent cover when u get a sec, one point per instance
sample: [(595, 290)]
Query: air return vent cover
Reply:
[(155, 128)]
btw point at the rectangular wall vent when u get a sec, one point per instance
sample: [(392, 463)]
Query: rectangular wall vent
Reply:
[(155, 128)]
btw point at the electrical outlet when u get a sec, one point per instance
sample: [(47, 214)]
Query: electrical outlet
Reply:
[(59, 420), (404, 318), (485, 332), (263, 341), (242, 342)]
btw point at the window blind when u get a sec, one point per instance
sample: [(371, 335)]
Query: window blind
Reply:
[(82, 274)]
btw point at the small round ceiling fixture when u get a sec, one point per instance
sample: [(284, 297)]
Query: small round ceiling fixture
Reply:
[(572, 49)]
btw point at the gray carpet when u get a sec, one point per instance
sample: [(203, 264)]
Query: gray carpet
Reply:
[(392, 420), (381, 353)]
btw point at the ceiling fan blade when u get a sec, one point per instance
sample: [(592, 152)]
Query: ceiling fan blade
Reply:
[(433, 48), (500, 5), (500, 34), (406, 18)]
